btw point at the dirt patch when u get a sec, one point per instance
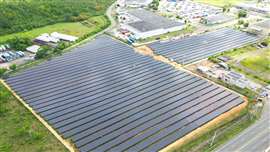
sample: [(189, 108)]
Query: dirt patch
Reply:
[(144, 50)]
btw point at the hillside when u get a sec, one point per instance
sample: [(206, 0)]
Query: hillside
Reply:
[(18, 16)]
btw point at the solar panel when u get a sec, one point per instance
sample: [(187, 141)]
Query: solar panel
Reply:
[(105, 97), (191, 49)]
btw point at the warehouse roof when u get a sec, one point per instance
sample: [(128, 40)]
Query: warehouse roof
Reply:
[(150, 21), (265, 24), (105, 97), (219, 18), (146, 2)]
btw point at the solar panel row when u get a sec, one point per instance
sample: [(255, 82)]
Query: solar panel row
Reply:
[(105, 97), (188, 50)]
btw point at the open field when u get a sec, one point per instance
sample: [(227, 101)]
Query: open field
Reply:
[(221, 3), (259, 63), (74, 28), (20, 130)]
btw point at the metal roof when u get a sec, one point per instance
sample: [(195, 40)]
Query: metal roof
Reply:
[(219, 18), (105, 97), (264, 24), (194, 48), (149, 21)]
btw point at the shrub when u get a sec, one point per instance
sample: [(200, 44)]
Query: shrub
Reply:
[(2, 72), (13, 67), (242, 13), (265, 43), (19, 43), (43, 53), (246, 24)]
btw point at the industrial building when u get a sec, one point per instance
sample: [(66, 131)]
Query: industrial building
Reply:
[(136, 3), (263, 9), (261, 28), (217, 19), (147, 24)]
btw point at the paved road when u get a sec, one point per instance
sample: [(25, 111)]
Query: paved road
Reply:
[(111, 18), (254, 139)]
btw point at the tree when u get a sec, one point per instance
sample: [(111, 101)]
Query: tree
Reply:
[(242, 13), (13, 67), (42, 53), (240, 22), (19, 44), (226, 8), (246, 24), (154, 5), (265, 43)]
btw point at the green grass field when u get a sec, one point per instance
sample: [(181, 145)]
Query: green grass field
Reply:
[(77, 29), (221, 3), (20, 131), (259, 63)]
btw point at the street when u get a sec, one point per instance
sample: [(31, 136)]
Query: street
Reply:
[(254, 139)]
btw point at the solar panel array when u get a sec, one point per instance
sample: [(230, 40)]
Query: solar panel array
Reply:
[(105, 97), (191, 49)]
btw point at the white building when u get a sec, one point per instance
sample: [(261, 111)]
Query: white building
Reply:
[(261, 28), (46, 38), (254, 7), (64, 37), (217, 19), (135, 3), (33, 49), (148, 24)]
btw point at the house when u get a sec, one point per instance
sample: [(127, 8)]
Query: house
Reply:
[(64, 37), (33, 49), (147, 24)]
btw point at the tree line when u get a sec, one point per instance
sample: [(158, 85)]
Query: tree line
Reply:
[(24, 15)]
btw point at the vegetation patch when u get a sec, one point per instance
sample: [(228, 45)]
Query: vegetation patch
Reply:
[(78, 29), (19, 16), (20, 130), (259, 63)]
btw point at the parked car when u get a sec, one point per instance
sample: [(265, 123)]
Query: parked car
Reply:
[(20, 53), (13, 55), (7, 56)]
